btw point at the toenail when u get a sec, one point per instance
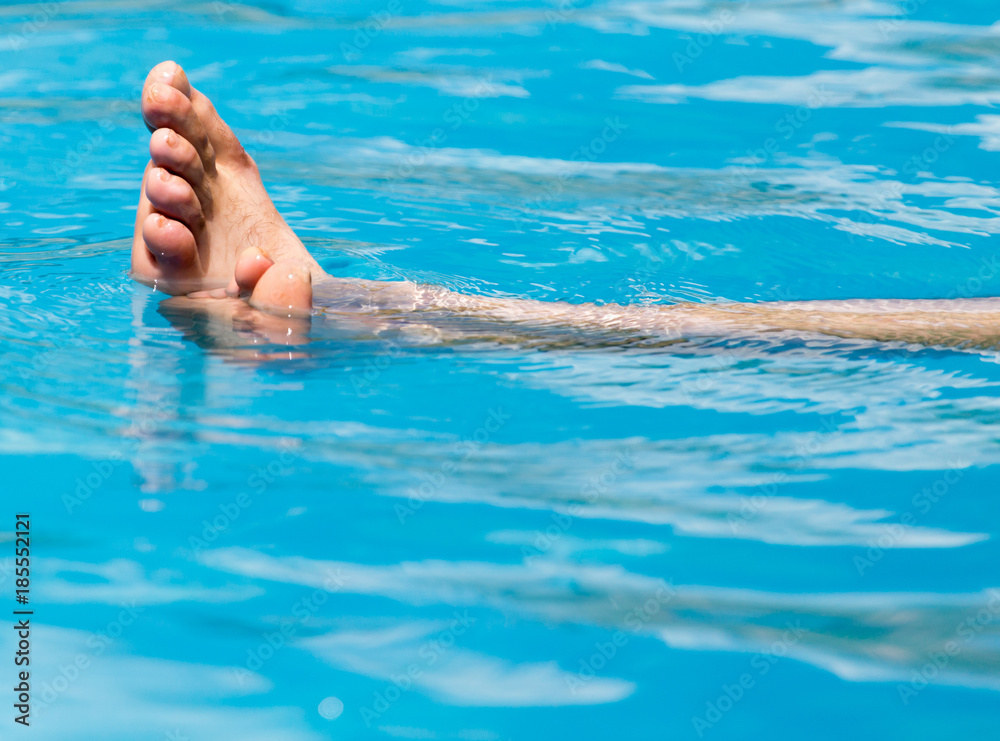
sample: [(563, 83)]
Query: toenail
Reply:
[(154, 92), (170, 139), (163, 175), (167, 74)]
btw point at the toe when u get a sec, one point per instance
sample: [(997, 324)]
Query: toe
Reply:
[(163, 107), (170, 243), (285, 289), (172, 152), (223, 139), (169, 73), (174, 197), (250, 268), (144, 268)]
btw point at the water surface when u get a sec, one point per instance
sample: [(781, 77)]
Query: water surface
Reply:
[(385, 539)]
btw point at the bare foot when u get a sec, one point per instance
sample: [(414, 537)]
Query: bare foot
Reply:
[(205, 223)]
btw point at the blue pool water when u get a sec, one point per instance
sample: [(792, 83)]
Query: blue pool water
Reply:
[(754, 539)]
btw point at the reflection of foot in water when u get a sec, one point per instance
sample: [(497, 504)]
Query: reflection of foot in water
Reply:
[(207, 228)]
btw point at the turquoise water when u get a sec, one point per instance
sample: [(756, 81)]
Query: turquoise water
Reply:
[(761, 538)]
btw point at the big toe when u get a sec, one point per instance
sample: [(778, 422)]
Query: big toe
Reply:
[(251, 266), (285, 288)]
